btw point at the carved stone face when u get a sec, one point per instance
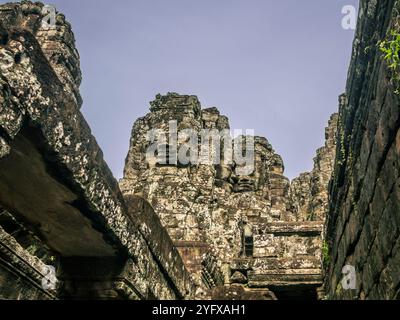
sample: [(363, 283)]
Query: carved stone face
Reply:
[(226, 174), (254, 181), (244, 184), (257, 180)]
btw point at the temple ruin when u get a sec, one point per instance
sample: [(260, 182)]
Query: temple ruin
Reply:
[(183, 230)]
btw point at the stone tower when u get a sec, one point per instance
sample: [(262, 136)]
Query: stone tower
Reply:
[(215, 215)]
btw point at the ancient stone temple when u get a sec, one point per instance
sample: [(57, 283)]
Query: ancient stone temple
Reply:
[(258, 230), (191, 230)]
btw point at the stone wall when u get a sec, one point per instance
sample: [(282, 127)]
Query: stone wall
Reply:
[(364, 216)]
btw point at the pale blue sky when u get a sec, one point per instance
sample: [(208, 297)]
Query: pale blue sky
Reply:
[(273, 66)]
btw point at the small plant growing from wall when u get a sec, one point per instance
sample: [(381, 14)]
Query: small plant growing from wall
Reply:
[(390, 47)]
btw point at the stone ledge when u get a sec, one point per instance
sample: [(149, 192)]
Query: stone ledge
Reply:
[(307, 228), (306, 262), (286, 281)]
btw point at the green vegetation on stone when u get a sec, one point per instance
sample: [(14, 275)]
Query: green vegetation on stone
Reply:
[(390, 47)]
